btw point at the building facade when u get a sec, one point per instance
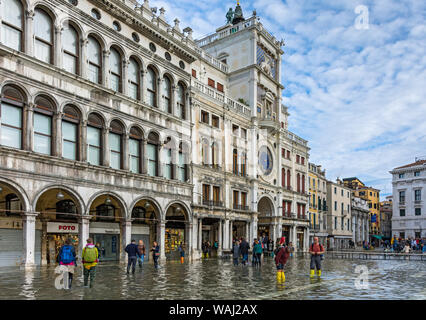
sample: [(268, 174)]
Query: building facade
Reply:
[(339, 200), (386, 208), (119, 126), (372, 195), (360, 225), (409, 208), (318, 203)]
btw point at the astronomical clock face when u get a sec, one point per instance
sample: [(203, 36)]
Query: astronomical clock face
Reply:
[(265, 161)]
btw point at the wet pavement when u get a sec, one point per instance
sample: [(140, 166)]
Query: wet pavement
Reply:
[(219, 279)]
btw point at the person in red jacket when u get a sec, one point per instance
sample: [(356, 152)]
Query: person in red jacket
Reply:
[(281, 256)]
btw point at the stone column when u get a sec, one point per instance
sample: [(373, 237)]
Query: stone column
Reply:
[(28, 228), (57, 59), (125, 72), (44, 246), (144, 157), (247, 236), (83, 141), (142, 85), (83, 233), (126, 151), (226, 235), (83, 65), (160, 156), (230, 234), (57, 130), (200, 233), (220, 240), (105, 145), (294, 237), (29, 32), (161, 238), (306, 239), (29, 128), (194, 235), (105, 68), (126, 237), (188, 238)]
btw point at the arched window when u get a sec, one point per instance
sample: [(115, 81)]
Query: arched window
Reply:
[(115, 70), (134, 79), (181, 101), (182, 163), (215, 155), (205, 152), (13, 205), (116, 145), (68, 207), (12, 24), (243, 164), (71, 49), (43, 32), (140, 215), (94, 139), (42, 125), (235, 161), (152, 154), (11, 111), (168, 156), (105, 212), (151, 84), (135, 150), (167, 91), (94, 56), (70, 133)]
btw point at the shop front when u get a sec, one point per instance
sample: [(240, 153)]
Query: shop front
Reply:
[(263, 230), (141, 232), (57, 234), (174, 237), (106, 236), (300, 238)]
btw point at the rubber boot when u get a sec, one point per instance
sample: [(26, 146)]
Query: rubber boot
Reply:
[(181, 260), (279, 276), (319, 273), (312, 272), (282, 276)]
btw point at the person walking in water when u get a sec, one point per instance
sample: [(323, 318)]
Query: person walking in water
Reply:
[(281, 257), (90, 260), (66, 257), (132, 256), (244, 249), (236, 252), (257, 251), (182, 252), (142, 252), (155, 253), (316, 250)]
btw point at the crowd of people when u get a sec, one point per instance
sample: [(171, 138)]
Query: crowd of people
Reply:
[(409, 245), (240, 252)]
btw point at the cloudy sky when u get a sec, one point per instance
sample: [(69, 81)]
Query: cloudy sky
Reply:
[(357, 95)]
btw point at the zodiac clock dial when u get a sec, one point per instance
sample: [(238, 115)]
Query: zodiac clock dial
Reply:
[(265, 160)]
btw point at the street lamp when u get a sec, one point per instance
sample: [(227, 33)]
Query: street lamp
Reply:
[(60, 195), (108, 201)]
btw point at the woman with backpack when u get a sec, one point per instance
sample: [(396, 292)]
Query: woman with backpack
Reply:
[(281, 256), (66, 257), (257, 251)]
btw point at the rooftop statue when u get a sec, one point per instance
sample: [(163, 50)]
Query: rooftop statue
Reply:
[(238, 14), (229, 16)]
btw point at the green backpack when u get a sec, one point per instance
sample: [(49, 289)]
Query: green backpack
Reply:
[(90, 255)]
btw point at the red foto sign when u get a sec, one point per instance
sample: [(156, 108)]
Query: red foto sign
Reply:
[(67, 228)]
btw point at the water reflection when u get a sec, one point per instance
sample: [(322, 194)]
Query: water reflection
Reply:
[(220, 279)]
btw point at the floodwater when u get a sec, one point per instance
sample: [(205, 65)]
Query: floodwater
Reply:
[(218, 279)]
